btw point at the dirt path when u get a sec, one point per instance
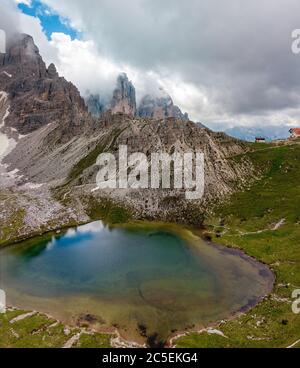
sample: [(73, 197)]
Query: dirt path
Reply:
[(22, 317), (276, 227), (294, 344), (72, 341)]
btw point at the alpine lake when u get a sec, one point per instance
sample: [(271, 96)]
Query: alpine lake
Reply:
[(148, 281)]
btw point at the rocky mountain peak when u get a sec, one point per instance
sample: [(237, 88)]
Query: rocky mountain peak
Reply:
[(160, 106), (37, 95), (52, 72), (124, 97), (95, 106), (22, 54), (21, 47)]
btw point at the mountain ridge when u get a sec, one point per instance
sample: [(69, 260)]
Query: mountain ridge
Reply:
[(270, 133), (62, 142), (123, 101)]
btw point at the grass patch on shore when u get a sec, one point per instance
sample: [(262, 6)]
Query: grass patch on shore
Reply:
[(96, 340), (248, 221), (108, 211), (11, 225), (32, 332), (40, 331)]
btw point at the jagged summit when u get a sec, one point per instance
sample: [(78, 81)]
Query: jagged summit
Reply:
[(95, 105), (22, 55), (52, 72), (37, 95), (123, 100), (160, 107), (124, 97)]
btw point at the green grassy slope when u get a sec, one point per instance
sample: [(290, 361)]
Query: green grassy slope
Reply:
[(40, 331), (265, 222), (248, 221)]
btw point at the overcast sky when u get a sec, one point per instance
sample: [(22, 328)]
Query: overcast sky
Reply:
[(224, 62)]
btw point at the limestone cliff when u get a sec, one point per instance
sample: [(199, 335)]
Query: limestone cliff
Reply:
[(37, 95), (160, 107), (95, 106), (124, 99)]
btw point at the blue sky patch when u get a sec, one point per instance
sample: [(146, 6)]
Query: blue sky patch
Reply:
[(50, 20)]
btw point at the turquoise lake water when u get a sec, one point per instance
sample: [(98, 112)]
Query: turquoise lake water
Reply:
[(147, 283)]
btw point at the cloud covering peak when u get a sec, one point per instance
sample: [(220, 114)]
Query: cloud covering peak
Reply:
[(223, 62)]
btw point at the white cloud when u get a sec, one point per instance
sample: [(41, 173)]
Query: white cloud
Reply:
[(78, 61), (222, 63), (33, 27), (26, 2), (12, 20)]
